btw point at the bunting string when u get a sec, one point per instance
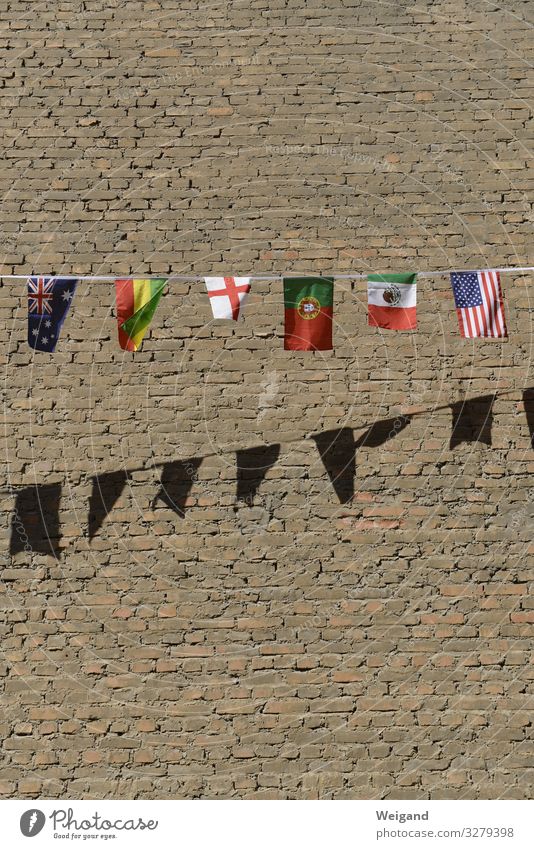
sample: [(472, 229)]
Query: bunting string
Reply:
[(188, 278)]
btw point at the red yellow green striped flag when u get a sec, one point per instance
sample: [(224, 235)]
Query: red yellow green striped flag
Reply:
[(137, 301)]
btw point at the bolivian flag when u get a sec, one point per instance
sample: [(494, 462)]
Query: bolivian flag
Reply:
[(308, 303), (137, 301)]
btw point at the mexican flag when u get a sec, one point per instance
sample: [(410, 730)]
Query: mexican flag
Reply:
[(392, 300), (308, 303)]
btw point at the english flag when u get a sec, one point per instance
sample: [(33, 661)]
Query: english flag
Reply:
[(227, 295)]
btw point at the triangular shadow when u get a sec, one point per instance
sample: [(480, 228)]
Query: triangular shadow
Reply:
[(338, 453), (177, 479), (35, 520), (107, 489), (528, 403), (472, 420), (252, 466)]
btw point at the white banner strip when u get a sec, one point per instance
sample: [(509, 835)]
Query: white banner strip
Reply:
[(233, 824), (138, 275)]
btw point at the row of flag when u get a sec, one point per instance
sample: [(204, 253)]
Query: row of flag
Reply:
[(308, 306)]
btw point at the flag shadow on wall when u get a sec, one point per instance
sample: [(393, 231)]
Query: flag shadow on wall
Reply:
[(252, 466), (107, 489), (337, 449), (528, 404), (177, 479), (472, 420), (382, 431), (35, 520)]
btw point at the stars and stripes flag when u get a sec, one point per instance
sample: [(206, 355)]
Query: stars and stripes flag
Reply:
[(49, 299), (479, 304), (227, 295)]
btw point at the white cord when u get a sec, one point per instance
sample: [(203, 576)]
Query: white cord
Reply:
[(191, 279)]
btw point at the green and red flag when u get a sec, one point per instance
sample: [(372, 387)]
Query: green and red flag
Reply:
[(392, 301), (309, 304), (137, 301)]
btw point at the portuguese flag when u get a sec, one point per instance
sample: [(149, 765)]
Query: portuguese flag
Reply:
[(137, 301), (392, 300), (308, 303)]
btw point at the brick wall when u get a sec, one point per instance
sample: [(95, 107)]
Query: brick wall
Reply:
[(292, 647)]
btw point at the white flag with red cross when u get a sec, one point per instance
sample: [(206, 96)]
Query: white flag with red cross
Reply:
[(227, 295)]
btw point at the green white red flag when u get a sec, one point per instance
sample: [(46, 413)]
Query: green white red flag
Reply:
[(308, 310), (392, 301)]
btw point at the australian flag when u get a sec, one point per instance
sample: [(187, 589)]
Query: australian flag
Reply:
[(49, 299)]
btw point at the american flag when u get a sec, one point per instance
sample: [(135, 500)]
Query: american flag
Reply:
[(479, 303)]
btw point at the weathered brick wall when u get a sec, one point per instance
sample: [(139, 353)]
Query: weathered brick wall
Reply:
[(297, 647)]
